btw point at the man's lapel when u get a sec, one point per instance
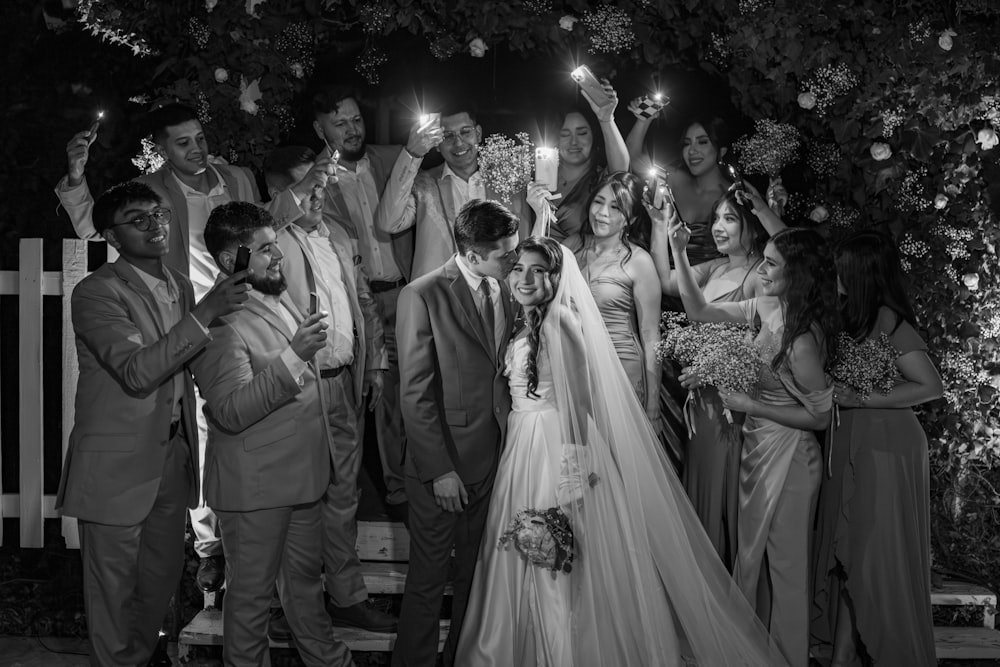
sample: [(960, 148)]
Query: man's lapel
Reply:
[(180, 236), (463, 297), (128, 275), (255, 306)]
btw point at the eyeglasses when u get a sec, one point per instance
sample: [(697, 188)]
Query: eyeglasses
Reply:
[(468, 134), (144, 222)]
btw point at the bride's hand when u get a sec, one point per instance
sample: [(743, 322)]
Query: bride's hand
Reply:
[(736, 400), (689, 379)]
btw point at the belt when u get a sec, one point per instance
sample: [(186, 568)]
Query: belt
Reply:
[(386, 285), (174, 427), (332, 372)]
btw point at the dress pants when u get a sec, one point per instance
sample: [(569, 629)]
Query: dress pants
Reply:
[(204, 523), (344, 580), (283, 546), (388, 416), (130, 572), (433, 533)]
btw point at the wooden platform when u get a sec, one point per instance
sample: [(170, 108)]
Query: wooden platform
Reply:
[(383, 548)]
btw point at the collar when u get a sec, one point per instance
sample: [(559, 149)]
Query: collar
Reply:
[(320, 231), (188, 191), (448, 173), (473, 280)]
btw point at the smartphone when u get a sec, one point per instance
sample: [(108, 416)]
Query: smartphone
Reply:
[(313, 303), (590, 84), (657, 190), (242, 261), (547, 167), (649, 105), (429, 120)]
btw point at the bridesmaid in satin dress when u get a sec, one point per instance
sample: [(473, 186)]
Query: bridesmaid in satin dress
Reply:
[(623, 280), (797, 319), (872, 558), (741, 225)]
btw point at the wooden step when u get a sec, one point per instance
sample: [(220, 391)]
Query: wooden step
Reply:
[(206, 630), (967, 643), (960, 593), (389, 578), (383, 541)]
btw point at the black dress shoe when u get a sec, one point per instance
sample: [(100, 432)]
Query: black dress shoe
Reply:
[(277, 627), (211, 573), (364, 615)]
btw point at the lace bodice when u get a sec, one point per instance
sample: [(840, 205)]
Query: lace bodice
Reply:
[(516, 372)]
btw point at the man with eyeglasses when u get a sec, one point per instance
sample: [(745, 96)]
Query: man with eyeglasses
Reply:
[(435, 196), (129, 473), (190, 185), (367, 175)]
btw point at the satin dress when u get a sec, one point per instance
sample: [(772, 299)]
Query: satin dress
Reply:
[(712, 458), (780, 475), (873, 531), (612, 290)]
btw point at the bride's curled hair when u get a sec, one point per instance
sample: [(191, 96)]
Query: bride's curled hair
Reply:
[(552, 252)]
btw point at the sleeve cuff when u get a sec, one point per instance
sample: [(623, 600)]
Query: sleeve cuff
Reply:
[(296, 367)]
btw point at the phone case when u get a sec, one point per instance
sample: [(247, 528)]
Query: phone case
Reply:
[(242, 260), (648, 106), (589, 83)]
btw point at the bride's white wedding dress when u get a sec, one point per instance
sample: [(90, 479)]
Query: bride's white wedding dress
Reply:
[(647, 588)]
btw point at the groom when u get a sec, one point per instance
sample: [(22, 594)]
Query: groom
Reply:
[(452, 326)]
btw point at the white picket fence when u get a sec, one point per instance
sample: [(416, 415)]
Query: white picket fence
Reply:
[(30, 504)]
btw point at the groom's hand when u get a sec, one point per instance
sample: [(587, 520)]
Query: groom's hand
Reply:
[(449, 492)]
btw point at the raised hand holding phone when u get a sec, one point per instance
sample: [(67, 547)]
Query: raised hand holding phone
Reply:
[(78, 151), (591, 85)]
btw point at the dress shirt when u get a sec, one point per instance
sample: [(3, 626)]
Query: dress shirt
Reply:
[(296, 365), (199, 206), (168, 303), (462, 191), (326, 266), (472, 280), (362, 199)]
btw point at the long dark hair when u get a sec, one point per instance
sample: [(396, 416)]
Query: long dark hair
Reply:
[(598, 158), (869, 269), (810, 296), (552, 252), (748, 221), (717, 131), (627, 191)]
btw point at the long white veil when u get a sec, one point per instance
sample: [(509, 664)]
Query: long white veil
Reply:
[(647, 584)]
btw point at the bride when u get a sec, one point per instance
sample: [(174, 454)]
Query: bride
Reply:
[(646, 587)]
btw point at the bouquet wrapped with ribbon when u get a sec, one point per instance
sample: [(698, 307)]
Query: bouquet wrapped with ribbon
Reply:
[(544, 538), (721, 354), (507, 164), (772, 147), (865, 366)]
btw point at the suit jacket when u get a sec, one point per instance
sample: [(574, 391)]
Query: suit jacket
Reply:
[(79, 204), (454, 397), (268, 440), (429, 205), (369, 339), (382, 160), (124, 396)]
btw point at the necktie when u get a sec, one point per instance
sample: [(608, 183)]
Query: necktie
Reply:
[(489, 319)]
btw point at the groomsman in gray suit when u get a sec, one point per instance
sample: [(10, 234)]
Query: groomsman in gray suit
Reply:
[(268, 461), (131, 467), (430, 200)]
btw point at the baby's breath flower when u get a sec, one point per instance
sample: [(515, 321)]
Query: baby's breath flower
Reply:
[(610, 29), (771, 148), (507, 164)]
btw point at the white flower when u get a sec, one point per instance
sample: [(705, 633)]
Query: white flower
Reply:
[(249, 94), (807, 100), (971, 280), (880, 151), (987, 138), (567, 21), (940, 201), (298, 71), (477, 47), (221, 74), (210, 4), (945, 39), (819, 214)]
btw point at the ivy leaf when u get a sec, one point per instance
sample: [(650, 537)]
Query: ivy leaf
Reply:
[(920, 141)]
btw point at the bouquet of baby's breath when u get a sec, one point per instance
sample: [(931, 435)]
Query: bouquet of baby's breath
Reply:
[(507, 164), (721, 354), (866, 365), (544, 537), (772, 147)]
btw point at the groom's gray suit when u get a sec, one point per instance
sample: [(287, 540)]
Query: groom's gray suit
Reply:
[(455, 403)]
